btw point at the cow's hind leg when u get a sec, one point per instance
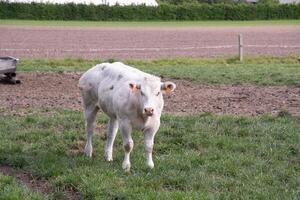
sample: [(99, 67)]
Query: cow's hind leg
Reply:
[(90, 113), (127, 144), (112, 130)]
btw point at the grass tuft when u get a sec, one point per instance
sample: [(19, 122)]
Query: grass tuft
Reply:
[(284, 113)]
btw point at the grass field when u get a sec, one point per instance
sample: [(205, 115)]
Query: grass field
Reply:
[(201, 156), (196, 157), (116, 24), (255, 70)]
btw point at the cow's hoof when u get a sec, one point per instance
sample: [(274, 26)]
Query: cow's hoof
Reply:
[(108, 157), (150, 165), (88, 151), (88, 154), (126, 166)]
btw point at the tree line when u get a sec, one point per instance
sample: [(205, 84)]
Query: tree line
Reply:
[(180, 2), (41, 11)]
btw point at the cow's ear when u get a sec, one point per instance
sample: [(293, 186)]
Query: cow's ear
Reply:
[(168, 87), (134, 87)]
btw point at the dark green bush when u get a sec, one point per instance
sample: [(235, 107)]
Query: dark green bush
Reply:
[(38, 11)]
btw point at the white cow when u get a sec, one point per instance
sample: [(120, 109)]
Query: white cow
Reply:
[(131, 98)]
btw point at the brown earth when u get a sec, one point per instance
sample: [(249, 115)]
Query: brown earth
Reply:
[(59, 90), (35, 185), (146, 43), (26, 179)]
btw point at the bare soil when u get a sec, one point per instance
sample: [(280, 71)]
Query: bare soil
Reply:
[(59, 90), (26, 179), (146, 43), (35, 185)]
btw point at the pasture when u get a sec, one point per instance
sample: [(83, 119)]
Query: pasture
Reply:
[(200, 156), (197, 157), (230, 131), (254, 70)]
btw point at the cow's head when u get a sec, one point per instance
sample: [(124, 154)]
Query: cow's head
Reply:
[(150, 96)]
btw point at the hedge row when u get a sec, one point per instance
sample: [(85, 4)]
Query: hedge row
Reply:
[(37, 11)]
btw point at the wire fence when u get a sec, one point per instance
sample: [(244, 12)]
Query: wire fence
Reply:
[(191, 50)]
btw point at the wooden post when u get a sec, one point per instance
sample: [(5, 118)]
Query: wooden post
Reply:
[(241, 47)]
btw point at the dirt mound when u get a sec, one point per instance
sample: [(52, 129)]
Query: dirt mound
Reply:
[(59, 90)]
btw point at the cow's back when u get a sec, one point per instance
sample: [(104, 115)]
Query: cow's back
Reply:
[(116, 73), (119, 72)]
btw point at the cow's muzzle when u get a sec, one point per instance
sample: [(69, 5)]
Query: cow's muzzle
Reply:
[(149, 111)]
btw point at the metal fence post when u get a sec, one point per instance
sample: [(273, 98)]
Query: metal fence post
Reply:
[(241, 47)]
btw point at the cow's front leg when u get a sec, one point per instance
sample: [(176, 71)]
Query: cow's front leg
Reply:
[(127, 144), (148, 144)]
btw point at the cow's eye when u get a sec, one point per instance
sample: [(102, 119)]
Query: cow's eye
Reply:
[(158, 94), (142, 93)]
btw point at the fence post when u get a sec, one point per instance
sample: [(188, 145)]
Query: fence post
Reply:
[(241, 47)]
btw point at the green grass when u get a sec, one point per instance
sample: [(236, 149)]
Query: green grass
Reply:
[(116, 24), (11, 190), (196, 157), (254, 70)]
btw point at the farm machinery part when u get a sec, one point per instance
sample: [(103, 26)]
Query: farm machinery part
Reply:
[(8, 70)]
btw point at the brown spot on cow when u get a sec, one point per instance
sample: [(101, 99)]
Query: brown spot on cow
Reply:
[(128, 147)]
